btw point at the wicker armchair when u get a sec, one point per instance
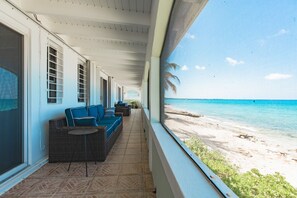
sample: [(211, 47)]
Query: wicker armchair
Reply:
[(123, 108)]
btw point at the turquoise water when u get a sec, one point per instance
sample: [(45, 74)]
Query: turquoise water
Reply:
[(8, 104), (274, 116)]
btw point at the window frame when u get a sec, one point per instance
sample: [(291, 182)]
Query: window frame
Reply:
[(82, 81), (217, 183), (55, 73)]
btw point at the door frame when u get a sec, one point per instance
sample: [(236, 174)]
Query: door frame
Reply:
[(25, 31)]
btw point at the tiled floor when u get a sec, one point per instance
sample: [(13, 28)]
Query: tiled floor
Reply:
[(125, 173)]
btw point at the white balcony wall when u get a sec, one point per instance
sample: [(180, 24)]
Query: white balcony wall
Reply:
[(37, 111)]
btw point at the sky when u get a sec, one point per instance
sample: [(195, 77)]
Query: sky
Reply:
[(239, 49)]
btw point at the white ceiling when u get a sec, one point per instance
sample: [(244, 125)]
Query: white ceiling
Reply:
[(113, 33)]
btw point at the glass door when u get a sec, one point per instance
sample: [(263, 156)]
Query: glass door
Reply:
[(11, 100)]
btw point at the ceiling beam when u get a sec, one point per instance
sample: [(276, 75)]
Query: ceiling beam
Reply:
[(123, 69), (106, 45), (110, 54), (96, 32), (123, 74), (86, 12), (120, 62)]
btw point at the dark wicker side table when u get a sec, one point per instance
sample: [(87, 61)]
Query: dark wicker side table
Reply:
[(85, 133)]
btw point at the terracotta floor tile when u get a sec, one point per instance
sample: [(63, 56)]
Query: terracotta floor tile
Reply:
[(45, 187), (114, 159), (22, 187), (148, 181), (99, 195), (132, 158), (146, 168), (118, 151), (108, 170), (80, 171), (44, 171), (120, 145), (60, 171), (138, 194), (103, 184), (131, 169), (130, 182), (138, 146), (67, 195), (130, 151), (75, 185)]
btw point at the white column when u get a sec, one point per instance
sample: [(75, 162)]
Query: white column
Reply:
[(93, 89), (144, 93), (98, 86), (109, 89), (154, 89)]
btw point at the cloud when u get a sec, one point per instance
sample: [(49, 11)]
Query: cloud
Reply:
[(233, 62), (184, 68), (277, 76), (190, 36), (279, 33), (200, 67)]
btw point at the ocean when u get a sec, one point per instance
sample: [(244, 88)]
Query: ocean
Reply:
[(269, 116), (8, 104)]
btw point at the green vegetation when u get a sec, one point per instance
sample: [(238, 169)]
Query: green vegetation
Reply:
[(249, 184)]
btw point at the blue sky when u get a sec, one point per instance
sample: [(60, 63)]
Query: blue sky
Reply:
[(239, 49)]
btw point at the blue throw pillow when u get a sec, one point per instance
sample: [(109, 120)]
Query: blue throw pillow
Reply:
[(85, 121), (109, 112), (93, 112), (100, 109)]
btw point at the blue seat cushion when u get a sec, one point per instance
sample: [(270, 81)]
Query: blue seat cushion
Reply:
[(85, 121), (106, 122), (115, 119), (109, 128), (109, 112), (100, 110)]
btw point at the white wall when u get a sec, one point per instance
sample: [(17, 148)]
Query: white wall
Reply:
[(115, 96), (38, 112)]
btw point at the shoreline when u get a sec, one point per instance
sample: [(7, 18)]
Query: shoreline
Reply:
[(245, 147)]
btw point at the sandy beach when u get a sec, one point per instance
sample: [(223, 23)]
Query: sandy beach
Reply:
[(243, 146)]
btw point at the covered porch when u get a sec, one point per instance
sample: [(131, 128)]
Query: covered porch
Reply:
[(125, 173)]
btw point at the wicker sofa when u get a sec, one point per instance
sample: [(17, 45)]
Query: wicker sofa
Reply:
[(123, 108), (61, 144)]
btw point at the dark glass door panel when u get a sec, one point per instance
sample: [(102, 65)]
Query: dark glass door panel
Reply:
[(104, 93), (11, 99)]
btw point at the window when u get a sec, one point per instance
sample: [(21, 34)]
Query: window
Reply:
[(81, 82), (54, 73), (228, 88)]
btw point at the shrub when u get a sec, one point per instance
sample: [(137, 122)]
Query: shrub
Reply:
[(248, 184)]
